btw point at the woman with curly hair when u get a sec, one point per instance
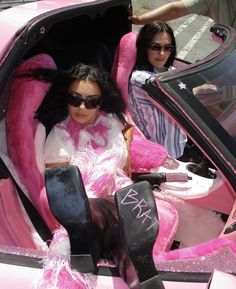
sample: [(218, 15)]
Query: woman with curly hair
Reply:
[(82, 123)]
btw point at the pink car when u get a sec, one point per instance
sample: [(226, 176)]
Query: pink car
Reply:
[(196, 241)]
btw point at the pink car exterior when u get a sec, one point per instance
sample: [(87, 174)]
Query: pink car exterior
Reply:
[(59, 33)]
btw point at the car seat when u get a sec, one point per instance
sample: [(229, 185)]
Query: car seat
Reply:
[(141, 159), (144, 153), (25, 97)]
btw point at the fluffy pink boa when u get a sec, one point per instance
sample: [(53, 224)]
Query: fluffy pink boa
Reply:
[(74, 129)]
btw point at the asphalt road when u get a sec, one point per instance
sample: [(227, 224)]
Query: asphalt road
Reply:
[(192, 32)]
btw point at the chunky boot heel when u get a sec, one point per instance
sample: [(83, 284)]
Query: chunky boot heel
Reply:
[(70, 206), (138, 228)]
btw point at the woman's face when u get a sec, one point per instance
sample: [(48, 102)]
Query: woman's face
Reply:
[(84, 97), (160, 50)]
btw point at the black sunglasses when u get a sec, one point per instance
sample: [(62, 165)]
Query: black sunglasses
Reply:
[(90, 101), (158, 47)]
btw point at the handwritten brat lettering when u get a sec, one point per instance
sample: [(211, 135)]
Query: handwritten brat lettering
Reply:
[(141, 209)]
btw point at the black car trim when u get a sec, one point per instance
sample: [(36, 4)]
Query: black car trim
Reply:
[(19, 260)]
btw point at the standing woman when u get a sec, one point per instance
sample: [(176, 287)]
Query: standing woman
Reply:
[(156, 51)]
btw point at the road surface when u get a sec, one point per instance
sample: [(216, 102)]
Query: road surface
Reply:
[(192, 32)]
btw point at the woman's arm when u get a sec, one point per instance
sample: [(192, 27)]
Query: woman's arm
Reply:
[(166, 12)]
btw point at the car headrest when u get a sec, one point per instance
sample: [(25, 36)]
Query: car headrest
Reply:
[(25, 96), (124, 62), (141, 150)]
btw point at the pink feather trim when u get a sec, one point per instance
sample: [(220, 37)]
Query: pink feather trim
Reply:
[(57, 271), (74, 129)]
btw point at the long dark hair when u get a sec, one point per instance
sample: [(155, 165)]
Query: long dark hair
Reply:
[(144, 39), (53, 108)]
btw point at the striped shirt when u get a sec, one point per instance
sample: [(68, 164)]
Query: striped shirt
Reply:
[(155, 125)]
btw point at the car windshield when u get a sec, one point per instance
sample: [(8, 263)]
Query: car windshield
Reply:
[(218, 93)]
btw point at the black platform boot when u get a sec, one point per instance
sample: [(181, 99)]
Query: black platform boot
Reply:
[(70, 206), (138, 228)]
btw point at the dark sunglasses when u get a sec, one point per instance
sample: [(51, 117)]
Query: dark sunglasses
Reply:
[(90, 102), (158, 47)]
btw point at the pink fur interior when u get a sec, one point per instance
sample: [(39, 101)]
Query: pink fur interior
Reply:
[(144, 154), (124, 62), (168, 224), (26, 95)]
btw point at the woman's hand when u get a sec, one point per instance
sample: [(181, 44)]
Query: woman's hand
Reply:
[(135, 19)]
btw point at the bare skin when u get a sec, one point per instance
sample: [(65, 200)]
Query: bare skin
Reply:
[(164, 13), (81, 114), (158, 59), (128, 135), (56, 164)]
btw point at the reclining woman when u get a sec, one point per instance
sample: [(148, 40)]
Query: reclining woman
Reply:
[(156, 51), (82, 124), (84, 119)]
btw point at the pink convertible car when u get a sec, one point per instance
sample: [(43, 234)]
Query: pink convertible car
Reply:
[(195, 246)]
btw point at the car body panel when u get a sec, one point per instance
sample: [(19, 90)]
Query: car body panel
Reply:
[(26, 26)]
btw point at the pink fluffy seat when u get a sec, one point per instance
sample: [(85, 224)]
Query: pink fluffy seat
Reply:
[(26, 95)]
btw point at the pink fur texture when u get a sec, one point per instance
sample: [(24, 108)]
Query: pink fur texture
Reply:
[(146, 154), (57, 271), (26, 95), (124, 62), (168, 224)]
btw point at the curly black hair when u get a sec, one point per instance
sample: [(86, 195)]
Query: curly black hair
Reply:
[(144, 39), (53, 108)]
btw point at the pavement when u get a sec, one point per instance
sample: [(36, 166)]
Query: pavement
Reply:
[(192, 32)]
